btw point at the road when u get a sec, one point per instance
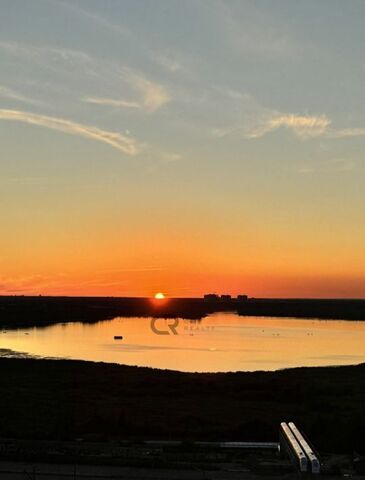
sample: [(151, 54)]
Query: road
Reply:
[(26, 471)]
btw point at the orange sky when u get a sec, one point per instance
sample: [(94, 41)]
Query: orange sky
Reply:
[(61, 255)]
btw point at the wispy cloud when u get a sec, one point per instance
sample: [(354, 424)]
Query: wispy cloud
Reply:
[(11, 94), (249, 119), (123, 143), (304, 126), (169, 63), (98, 20), (347, 132), (40, 52), (112, 102), (62, 282), (253, 34), (14, 285), (152, 95)]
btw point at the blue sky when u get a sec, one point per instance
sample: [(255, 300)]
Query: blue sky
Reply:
[(237, 125)]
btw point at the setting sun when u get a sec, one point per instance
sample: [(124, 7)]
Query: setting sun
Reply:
[(159, 296)]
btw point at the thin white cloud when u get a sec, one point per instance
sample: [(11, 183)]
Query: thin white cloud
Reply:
[(11, 94), (112, 102), (254, 120), (23, 284), (152, 95), (43, 52), (123, 143), (61, 61), (254, 33), (347, 132), (304, 126), (221, 132), (169, 63), (95, 18)]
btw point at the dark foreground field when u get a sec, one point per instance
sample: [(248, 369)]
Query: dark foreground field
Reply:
[(57, 399)]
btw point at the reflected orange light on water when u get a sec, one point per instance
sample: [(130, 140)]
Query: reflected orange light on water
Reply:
[(219, 342)]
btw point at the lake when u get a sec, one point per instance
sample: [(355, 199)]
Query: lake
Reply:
[(218, 343)]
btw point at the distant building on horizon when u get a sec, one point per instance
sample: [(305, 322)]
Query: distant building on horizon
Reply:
[(226, 298), (211, 297), (242, 298)]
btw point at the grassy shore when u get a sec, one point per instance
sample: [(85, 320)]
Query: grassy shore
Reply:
[(62, 399)]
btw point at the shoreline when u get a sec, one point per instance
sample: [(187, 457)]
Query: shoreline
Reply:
[(8, 353)]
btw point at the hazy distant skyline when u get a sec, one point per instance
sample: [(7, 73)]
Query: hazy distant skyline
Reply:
[(182, 147)]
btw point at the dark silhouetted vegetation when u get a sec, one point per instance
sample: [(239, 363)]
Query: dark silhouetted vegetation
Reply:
[(304, 308), (24, 312), (58, 399)]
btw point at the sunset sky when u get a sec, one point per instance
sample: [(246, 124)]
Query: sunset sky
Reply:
[(182, 147)]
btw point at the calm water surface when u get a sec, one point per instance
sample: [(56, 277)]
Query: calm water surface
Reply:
[(219, 342)]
